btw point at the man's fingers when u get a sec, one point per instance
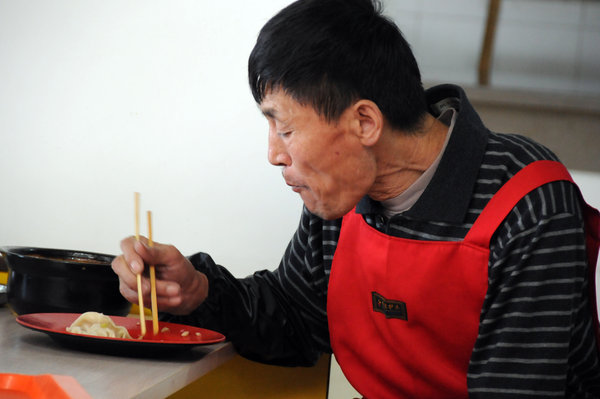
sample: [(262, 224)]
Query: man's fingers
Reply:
[(159, 254), (123, 270), (168, 294), (135, 253), (127, 291), (167, 288)]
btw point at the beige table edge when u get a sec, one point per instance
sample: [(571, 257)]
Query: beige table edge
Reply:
[(218, 355)]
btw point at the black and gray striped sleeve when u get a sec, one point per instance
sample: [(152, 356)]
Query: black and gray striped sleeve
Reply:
[(277, 317), (535, 337)]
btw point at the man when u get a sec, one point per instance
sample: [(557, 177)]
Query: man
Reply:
[(392, 268)]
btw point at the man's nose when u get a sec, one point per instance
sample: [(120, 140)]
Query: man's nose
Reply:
[(277, 154)]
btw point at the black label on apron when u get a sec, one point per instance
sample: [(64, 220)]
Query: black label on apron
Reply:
[(391, 309)]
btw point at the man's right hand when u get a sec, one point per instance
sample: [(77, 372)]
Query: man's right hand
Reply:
[(180, 288)]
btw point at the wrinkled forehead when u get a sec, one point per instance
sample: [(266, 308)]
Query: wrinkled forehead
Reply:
[(278, 104)]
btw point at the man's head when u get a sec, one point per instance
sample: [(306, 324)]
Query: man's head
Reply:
[(330, 53), (331, 76)]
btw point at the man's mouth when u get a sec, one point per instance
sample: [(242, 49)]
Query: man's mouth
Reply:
[(293, 186)]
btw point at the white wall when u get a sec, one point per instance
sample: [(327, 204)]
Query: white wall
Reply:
[(101, 99)]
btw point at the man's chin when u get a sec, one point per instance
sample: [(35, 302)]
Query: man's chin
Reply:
[(325, 213)]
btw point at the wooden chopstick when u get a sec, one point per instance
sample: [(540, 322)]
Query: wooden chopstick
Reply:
[(152, 280), (139, 275)]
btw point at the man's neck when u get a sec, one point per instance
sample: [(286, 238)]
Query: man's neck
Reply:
[(403, 157)]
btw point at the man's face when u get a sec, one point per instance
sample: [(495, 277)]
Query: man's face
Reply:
[(324, 162)]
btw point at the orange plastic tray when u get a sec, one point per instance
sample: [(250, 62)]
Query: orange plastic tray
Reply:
[(44, 386)]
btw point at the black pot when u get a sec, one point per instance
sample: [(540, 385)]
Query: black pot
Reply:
[(3, 269), (57, 280)]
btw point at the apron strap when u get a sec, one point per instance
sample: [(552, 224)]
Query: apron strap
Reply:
[(526, 180)]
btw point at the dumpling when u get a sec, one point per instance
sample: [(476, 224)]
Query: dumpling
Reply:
[(99, 325)]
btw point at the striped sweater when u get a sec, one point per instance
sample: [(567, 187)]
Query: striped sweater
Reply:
[(535, 338)]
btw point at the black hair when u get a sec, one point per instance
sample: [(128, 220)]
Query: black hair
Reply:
[(331, 53)]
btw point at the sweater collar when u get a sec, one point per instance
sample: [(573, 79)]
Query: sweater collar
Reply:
[(447, 197)]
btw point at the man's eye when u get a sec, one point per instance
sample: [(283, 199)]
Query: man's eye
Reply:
[(284, 134)]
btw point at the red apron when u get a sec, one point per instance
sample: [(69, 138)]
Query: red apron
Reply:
[(404, 314)]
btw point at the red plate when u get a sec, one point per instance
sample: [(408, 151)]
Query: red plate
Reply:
[(44, 386), (174, 337)]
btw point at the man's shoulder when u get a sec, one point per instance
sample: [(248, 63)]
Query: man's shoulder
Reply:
[(508, 153), (505, 155)]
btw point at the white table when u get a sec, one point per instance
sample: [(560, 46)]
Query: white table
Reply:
[(24, 351)]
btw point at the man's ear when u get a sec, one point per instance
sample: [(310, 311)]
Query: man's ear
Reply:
[(370, 121)]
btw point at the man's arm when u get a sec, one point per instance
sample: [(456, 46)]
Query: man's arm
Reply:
[(276, 316)]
